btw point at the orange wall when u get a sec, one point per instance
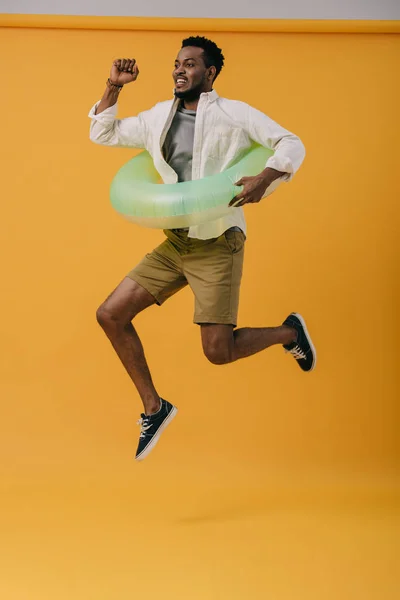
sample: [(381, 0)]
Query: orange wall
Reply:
[(325, 245)]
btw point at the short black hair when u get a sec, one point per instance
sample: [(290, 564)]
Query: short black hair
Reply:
[(212, 56)]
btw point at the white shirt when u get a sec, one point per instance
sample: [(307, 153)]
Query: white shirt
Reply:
[(224, 129)]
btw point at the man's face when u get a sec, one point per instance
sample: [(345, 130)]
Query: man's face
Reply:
[(190, 74)]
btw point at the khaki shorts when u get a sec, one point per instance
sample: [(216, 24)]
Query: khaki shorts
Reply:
[(212, 269)]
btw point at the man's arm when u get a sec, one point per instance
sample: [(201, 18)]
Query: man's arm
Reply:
[(105, 128), (289, 154)]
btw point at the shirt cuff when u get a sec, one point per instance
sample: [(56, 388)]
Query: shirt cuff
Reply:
[(108, 115), (281, 164)]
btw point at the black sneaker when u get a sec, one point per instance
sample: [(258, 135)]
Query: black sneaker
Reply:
[(302, 349), (151, 427)]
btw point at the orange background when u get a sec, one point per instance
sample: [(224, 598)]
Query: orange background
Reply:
[(270, 483)]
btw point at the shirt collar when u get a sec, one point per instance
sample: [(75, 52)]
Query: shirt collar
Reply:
[(212, 96)]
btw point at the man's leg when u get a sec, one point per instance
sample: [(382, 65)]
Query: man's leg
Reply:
[(214, 273), (115, 316), (156, 278), (222, 344)]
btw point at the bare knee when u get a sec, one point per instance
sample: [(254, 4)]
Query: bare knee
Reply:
[(127, 300), (109, 319), (218, 352), (218, 343)]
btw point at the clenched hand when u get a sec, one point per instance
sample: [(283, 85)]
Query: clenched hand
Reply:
[(123, 71)]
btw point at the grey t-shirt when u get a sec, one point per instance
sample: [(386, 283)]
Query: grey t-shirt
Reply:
[(178, 145)]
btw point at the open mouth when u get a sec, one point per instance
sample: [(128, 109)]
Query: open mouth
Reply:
[(180, 82)]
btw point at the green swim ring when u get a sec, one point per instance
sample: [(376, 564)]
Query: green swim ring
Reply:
[(139, 197)]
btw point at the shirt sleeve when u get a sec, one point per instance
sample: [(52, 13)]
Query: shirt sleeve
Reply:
[(289, 149), (107, 130)]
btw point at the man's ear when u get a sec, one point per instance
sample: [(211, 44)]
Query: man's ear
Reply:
[(212, 72)]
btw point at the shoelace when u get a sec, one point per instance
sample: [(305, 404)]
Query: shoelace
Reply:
[(297, 352), (144, 426)]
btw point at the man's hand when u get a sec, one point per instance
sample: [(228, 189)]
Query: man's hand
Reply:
[(254, 187), (123, 71)]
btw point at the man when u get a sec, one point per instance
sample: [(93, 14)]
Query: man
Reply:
[(194, 135)]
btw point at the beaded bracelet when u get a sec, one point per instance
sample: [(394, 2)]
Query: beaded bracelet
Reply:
[(119, 87)]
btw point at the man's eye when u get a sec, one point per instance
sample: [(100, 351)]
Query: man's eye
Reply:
[(190, 65)]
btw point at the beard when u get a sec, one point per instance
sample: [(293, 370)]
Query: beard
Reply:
[(191, 94)]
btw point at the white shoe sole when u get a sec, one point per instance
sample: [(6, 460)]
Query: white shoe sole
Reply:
[(155, 439), (303, 323)]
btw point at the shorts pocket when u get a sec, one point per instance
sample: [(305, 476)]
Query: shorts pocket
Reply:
[(235, 240)]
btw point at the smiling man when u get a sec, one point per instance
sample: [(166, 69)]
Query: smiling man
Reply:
[(194, 135)]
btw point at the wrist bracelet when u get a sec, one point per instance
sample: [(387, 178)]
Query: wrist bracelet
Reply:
[(115, 85)]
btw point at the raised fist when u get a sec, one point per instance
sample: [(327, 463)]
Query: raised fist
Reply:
[(124, 70)]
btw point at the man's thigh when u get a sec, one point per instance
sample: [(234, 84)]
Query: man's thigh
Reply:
[(160, 272), (214, 273)]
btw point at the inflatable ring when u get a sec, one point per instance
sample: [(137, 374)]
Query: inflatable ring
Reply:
[(137, 195)]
